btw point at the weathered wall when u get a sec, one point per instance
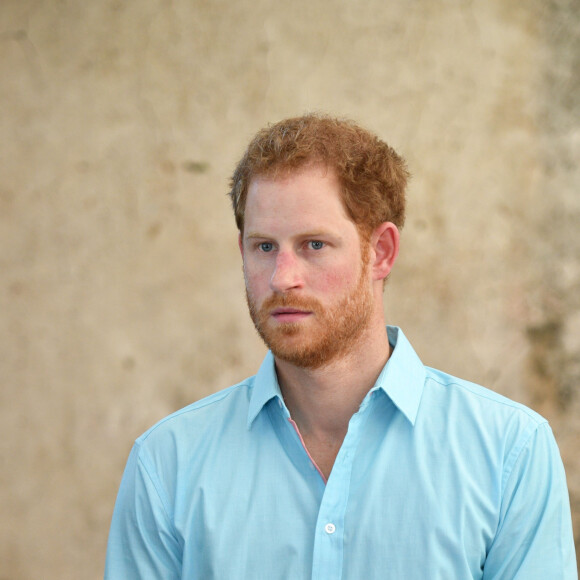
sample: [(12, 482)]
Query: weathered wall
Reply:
[(121, 289)]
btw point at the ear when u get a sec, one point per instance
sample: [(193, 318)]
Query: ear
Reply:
[(385, 247), (241, 244)]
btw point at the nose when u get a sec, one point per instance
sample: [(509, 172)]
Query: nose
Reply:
[(286, 275)]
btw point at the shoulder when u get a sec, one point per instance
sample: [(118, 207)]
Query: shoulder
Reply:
[(200, 419), (476, 398), (167, 459), (480, 423)]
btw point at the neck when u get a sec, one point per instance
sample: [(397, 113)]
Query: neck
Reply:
[(321, 401)]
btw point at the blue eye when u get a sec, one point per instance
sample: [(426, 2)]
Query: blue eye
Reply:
[(316, 244), (266, 246)]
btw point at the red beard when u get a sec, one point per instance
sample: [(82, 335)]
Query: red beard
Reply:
[(326, 334)]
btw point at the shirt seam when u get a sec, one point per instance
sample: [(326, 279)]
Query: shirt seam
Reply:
[(508, 472), (198, 405), (537, 419), (148, 469)]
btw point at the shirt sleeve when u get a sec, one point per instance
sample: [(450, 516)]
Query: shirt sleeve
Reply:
[(143, 542), (534, 540)]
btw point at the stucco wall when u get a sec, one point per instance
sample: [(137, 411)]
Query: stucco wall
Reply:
[(121, 293)]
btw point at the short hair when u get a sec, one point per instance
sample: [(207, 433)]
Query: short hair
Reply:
[(372, 176)]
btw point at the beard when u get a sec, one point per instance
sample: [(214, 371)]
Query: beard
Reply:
[(329, 332)]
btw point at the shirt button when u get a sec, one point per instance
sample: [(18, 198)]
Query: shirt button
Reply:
[(330, 528)]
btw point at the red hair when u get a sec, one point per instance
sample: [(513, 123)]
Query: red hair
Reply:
[(373, 177)]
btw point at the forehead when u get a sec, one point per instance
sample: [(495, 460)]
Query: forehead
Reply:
[(309, 196)]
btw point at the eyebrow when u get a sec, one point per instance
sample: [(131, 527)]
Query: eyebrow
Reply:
[(312, 234), (255, 235)]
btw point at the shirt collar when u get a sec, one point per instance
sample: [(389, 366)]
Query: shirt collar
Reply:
[(401, 379), (266, 387)]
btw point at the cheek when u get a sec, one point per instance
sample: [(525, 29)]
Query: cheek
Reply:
[(256, 279), (335, 280)]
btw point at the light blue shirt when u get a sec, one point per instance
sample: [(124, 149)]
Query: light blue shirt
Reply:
[(437, 479)]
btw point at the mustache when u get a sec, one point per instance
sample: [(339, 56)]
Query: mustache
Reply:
[(290, 301)]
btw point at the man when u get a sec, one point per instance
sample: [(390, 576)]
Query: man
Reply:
[(344, 457)]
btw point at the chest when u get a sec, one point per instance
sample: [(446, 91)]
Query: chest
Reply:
[(388, 510)]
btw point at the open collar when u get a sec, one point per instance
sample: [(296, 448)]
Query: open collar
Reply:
[(402, 379)]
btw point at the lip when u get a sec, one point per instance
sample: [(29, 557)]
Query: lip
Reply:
[(289, 314)]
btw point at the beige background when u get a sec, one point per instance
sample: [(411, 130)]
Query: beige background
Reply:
[(121, 291)]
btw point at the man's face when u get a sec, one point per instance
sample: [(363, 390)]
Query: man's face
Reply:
[(307, 278)]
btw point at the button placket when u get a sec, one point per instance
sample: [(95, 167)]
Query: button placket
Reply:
[(329, 545)]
